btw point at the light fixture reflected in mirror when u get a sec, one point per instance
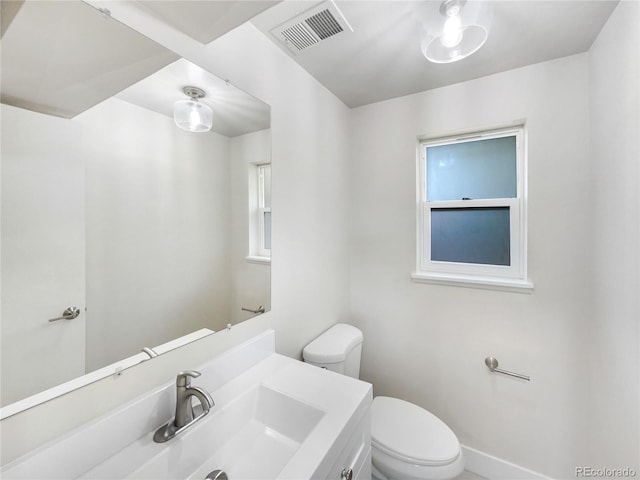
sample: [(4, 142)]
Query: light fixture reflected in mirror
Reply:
[(458, 29), (193, 115)]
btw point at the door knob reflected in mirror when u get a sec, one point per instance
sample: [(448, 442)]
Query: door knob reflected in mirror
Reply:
[(69, 314)]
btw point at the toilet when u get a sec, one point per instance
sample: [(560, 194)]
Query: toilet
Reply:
[(407, 441)]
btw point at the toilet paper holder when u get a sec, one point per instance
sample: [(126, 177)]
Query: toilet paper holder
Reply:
[(492, 363)]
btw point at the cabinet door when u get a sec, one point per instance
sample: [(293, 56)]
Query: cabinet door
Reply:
[(365, 471), (354, 461), (43, 252)]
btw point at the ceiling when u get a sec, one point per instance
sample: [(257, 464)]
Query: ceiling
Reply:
[(381, 58), (53, 72), (204, 21), (234, 111), (62, 58)]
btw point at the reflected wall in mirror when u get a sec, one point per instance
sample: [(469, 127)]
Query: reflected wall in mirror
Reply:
[(149, 230)]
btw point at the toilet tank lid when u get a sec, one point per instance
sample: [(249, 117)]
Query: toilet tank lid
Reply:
[(334, 345)]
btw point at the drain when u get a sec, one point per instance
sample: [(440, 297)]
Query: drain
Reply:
[(217, 475)]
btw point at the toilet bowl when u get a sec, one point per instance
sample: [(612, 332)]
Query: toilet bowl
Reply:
[(407, 441), (410, 442)]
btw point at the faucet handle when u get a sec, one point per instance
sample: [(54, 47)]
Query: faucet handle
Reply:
[(184, 378)]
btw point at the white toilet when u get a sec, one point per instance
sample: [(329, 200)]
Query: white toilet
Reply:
[(408, 442)]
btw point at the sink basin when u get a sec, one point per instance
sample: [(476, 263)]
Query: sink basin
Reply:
[(265, 426), (254, 436)]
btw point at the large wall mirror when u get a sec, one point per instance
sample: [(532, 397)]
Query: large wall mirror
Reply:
[(151, 232)]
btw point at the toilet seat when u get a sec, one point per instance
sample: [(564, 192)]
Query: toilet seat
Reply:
[(411, 434)]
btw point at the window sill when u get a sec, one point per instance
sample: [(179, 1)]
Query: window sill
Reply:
[(488, 283), (260, 260)]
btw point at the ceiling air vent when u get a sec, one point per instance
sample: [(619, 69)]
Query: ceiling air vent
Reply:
[(311, 27)]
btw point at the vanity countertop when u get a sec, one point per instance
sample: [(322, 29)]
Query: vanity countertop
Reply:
[(298, 396)]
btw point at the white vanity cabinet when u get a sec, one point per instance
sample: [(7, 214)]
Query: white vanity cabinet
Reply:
[(354, 460)]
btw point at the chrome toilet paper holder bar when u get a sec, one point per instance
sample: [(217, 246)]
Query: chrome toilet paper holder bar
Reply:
[(492, 363)]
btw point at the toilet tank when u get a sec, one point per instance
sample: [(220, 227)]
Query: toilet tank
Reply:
[(338, 349)]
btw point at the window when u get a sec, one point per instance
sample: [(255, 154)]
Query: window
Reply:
[(264, 210), (472, 211), (259, 213)]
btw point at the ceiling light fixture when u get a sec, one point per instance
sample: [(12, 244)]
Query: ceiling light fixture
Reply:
[(457, 30), (193, 115)]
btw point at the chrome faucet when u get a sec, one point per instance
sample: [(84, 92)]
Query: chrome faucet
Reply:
[(186, 413), (184, 407)]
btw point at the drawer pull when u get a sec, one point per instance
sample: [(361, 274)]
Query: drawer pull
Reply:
[(346, 474)]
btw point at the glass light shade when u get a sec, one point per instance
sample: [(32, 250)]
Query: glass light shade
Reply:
[(448, 38), (192, 115)]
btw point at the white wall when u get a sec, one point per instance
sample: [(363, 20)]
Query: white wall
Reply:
[(251, 281), (577, 335), (615, 166), (158, 216), (427, 343)]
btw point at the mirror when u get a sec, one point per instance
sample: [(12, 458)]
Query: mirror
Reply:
[(152, 232)]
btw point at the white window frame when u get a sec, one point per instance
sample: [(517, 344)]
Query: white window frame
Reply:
[(262, 250), (257, 251), (510, 278)]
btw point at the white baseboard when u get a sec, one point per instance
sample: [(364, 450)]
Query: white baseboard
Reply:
[(495, 468)]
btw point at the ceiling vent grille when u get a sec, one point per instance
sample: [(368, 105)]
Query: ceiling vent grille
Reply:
[(313, 26), (324, 25)]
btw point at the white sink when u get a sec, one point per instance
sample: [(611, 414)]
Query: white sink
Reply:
[(254, 436), (264, 426)]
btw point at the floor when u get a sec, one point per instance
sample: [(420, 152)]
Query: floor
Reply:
[(466, 475)]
